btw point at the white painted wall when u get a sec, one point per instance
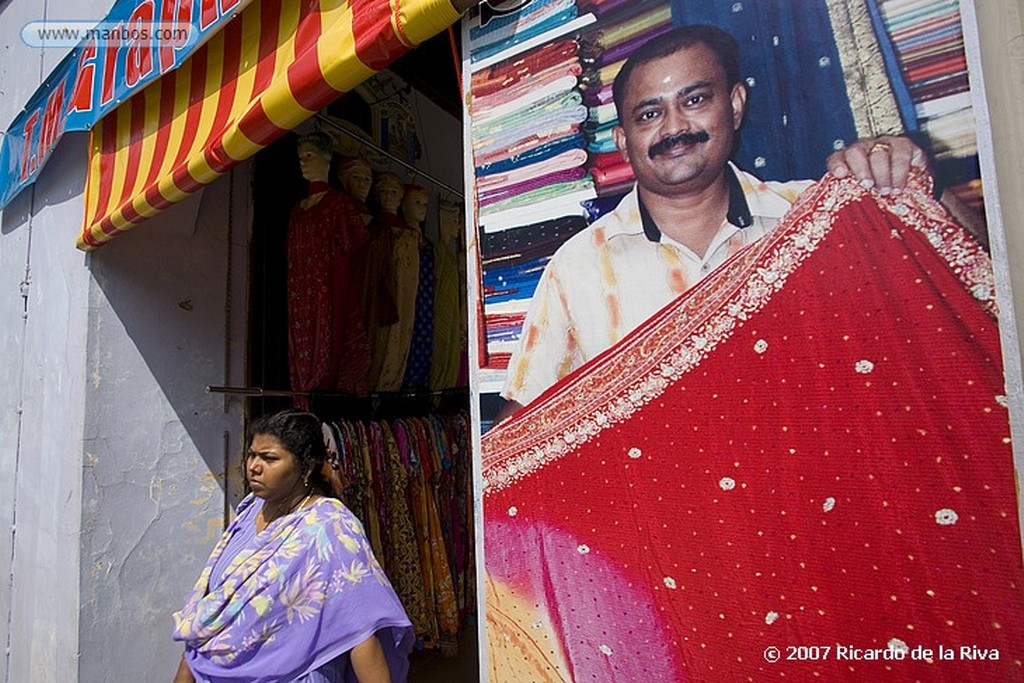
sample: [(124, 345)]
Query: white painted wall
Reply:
[(111, 453), (156, 445), (42, 335)]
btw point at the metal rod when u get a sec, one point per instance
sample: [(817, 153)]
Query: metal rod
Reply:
[(358, 138), (259, 391)]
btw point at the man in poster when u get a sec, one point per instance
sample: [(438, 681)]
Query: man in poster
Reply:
[(680, 102), (804, 454)]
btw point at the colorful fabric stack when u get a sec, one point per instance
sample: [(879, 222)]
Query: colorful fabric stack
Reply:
[(410, 482), (513, 263), (529, 153), (509, 31), (928, 39)]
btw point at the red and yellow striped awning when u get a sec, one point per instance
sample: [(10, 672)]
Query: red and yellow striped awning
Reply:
[(274, 66)]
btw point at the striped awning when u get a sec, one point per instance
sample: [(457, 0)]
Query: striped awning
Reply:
[(272, 67)]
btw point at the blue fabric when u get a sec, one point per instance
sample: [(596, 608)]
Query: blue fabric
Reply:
[(514, 282), (545, 151), (797, 109), (421, 350)]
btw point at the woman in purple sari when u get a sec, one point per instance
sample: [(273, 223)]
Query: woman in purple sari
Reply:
[(292, 592)]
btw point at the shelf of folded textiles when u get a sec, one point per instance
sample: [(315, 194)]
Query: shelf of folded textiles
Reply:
[(509, 79), (484, 58), (490, 35), (619, 34), (553, 208)]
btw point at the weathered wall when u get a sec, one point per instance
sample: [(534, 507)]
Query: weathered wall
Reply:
[(43, 296), (111, 453), (163, 324)]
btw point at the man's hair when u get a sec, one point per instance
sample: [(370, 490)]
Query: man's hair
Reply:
[(723, 45)]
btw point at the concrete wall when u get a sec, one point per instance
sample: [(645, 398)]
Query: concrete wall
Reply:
[(112, 456), (43, 308), (164, 322)]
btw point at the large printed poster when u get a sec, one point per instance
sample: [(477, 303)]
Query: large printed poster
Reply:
[(743, 419)]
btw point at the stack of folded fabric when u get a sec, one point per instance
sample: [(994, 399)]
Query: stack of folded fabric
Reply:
[(513, 261), (623, 28), (528, 146), (507, 31), (529, 154), (928, 38)]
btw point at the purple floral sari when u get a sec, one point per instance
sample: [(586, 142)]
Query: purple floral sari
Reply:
[(291, 601)]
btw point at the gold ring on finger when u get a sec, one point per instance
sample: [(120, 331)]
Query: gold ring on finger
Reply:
[(880, 147)]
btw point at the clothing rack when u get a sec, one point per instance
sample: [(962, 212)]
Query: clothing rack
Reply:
[(376, 405), (323, 118), (260, 392), (409, 480)]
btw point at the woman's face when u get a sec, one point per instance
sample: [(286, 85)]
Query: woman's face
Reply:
[(271, 469)]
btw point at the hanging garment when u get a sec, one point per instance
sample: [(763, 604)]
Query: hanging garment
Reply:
[(375, 274), (421, 343), (327, 345), (391, 349), (448, 319), (810, 447)]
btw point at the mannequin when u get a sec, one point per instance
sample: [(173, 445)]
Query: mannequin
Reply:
[(391, 349), (421, 341), (327, 345), (356, 178), (450, 326)]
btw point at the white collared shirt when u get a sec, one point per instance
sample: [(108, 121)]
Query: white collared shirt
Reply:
[(608, 279)]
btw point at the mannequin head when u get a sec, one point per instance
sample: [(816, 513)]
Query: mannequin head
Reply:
[(450, 225), (315, 152), (356, 177), (414, 205), (388, 192)]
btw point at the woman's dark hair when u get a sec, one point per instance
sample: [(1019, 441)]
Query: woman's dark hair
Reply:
[(301, 433)]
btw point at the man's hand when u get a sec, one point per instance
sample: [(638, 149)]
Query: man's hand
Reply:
[(883, 162)]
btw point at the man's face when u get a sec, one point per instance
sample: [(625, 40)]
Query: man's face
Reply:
[(679, 119)]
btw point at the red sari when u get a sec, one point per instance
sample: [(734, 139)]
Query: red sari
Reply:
[(808, 450), (327, 345)]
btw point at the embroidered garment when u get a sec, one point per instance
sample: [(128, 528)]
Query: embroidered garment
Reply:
[(289, 602), (421, 343), (327, 344), (809, 448)]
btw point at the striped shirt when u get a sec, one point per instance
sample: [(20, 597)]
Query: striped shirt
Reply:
[(608, 279)]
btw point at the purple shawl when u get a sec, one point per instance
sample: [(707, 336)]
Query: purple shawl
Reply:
[(294, 597)]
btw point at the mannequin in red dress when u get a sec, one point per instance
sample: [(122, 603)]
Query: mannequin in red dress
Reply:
[(327, 345)]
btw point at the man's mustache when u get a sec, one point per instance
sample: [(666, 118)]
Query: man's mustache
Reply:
[(684, 138)]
